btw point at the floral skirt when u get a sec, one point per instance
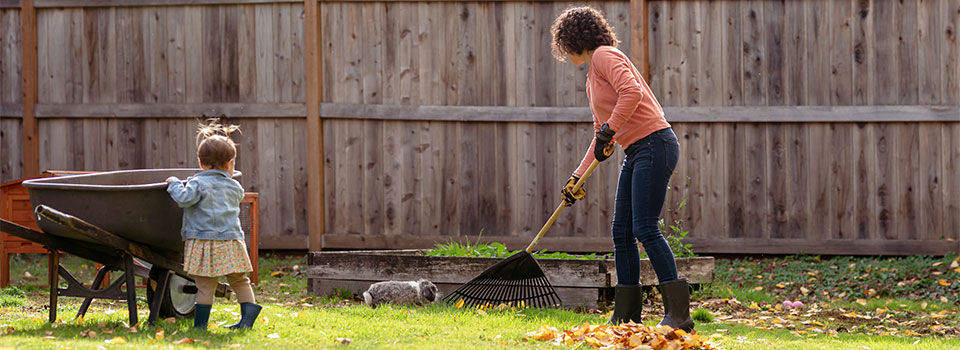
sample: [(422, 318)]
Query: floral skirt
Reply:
[(210, 258)]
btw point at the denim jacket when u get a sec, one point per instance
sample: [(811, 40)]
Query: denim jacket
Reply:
[(211, 205)]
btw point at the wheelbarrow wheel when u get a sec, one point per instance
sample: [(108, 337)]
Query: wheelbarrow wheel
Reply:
[(177, 302)]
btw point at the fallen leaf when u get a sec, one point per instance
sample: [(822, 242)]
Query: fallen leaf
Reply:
[(273, 335), (343, 341), (116, 340), (954, 264), (459, 304), (862, 302), (943, 282), (159, 334), (184, 341), (170, 320)]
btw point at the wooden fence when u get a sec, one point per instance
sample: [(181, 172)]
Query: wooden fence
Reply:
[(806, 126)]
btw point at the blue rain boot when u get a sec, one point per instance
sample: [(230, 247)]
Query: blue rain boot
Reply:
[(201, 314), (248, 315)]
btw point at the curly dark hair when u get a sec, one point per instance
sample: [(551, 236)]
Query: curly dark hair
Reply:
[(580, 29)]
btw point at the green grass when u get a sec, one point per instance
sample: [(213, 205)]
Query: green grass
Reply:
[(294, 319), (736, 337)]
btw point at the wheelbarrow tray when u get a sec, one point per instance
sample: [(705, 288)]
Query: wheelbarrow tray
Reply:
[(132, 204)]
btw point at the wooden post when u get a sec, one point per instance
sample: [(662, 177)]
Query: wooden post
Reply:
[(28, 30), (314, 126), (639, 49)]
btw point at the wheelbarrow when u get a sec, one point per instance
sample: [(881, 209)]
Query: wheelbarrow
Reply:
[(124, 220)]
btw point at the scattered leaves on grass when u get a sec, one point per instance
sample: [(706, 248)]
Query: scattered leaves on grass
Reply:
[(625, 336), (343, 341), (159, 334), (273, 335)]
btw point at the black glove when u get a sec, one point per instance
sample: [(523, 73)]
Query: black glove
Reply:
[(568, 195), (603, 149)]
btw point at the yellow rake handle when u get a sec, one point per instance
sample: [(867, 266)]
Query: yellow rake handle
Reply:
[(556, 213)]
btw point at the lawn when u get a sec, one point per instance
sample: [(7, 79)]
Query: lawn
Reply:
[(744, 316)]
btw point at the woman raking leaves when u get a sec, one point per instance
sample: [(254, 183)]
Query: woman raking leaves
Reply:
[(625, 112)]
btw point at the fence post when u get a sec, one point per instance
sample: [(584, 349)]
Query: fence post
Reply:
[(314, 126), (639, 50), (28, 51)]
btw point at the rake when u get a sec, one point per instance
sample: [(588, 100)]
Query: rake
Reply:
[(518, 279)]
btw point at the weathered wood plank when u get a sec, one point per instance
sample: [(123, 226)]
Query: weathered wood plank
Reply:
[(863, 59), (818, 196), (754, 79), (950, 49), (906, 50), (907, 175), (928, 54), (828, 247), (930, 180), (774, 40), (776, 191), (951, 184), (732, 54), (884, 195), (171, 110), (246, 54), (755, 185), (886, 68), (757, 114), (843, 183), (29, 55), (121, 3), (841, 48), (358, 265)]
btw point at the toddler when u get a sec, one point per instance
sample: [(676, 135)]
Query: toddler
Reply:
[(213, 239)]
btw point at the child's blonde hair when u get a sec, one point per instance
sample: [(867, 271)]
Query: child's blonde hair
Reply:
[(214, 146)]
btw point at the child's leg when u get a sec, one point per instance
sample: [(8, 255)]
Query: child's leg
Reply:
[(206, 289), (240, 284), (249, 310)]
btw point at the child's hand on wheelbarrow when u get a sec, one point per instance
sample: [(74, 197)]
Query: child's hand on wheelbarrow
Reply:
[(172, 178)]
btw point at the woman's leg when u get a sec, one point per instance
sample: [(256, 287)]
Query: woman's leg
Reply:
[(651, 174), (626, 254), (240, 284), (206, 289)]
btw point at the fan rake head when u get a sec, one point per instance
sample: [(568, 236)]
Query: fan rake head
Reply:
[(517, 280)]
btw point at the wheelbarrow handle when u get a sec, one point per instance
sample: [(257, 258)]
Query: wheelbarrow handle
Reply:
[(556, 213)]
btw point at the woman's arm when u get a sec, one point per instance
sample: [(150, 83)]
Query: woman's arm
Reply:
[(616, 70)]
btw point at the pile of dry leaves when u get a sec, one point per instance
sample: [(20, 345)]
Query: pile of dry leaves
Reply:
[(625, 336)]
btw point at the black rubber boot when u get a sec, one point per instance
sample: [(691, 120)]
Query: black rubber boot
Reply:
[(201, 314), (627, 304), (248, 314), (676, 304)]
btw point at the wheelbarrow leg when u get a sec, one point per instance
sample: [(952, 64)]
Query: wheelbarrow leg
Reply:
[(159, 293), (131, 288), (97, 284), (53, 278)]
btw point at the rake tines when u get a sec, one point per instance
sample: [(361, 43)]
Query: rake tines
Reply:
[(517, 280)]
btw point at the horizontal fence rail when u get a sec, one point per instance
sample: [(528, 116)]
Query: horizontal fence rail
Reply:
[(760, 114)]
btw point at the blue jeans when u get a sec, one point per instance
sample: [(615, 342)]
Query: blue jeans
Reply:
[(641, 191)]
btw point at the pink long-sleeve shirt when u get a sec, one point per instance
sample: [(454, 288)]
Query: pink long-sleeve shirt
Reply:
[(621, 98)]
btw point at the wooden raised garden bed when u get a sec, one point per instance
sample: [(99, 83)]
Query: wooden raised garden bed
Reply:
[(578, 282)]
